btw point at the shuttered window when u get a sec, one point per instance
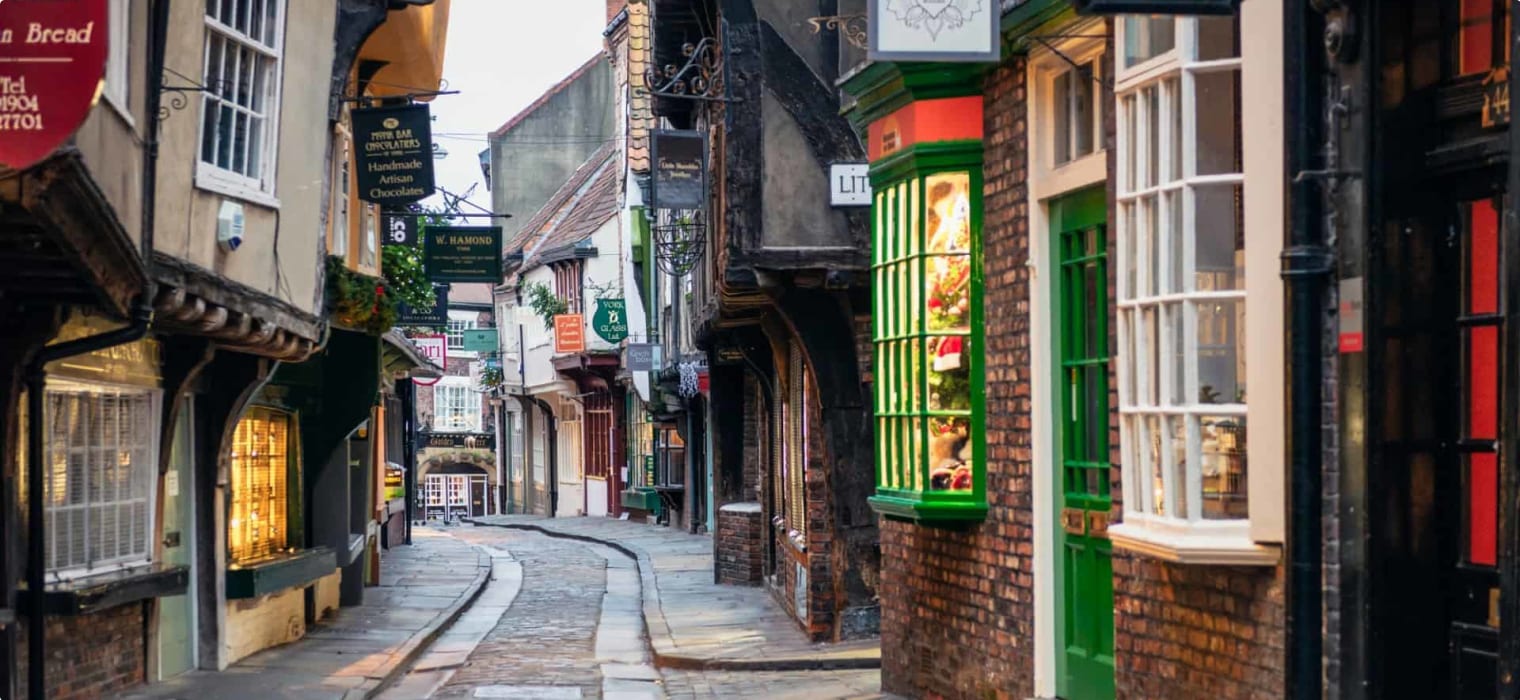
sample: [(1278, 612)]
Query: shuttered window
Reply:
[(262, 447), (100, 461)]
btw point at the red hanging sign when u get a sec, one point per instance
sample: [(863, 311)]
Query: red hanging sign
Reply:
[(52, 58)]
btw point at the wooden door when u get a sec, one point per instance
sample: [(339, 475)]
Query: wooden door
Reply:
[(1079, 234)]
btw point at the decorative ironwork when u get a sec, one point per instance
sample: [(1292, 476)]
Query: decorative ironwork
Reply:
[(177, 99), (851, 27), (701, 78), (680, 238)]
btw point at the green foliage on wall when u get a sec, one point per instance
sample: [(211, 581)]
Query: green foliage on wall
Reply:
[(545, 304)]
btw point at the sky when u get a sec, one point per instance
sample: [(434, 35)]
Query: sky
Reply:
[(501, 55)]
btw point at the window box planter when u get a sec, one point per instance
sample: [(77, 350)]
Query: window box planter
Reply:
[(276, 575), (96, 593)]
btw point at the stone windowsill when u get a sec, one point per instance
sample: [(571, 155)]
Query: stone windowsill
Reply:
[(83, 596), (275, 575)]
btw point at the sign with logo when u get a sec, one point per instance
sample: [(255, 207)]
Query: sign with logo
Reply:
[(435, 347), (52, 57), (642, 357), (462, 254), (393, 152), (400, 228), (934, 30), (611, 320), (569, 333), (436, 317), (480, 340), (465, 441), (850, 185), (680, 169)]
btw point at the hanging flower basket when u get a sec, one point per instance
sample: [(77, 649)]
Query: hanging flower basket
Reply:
[(359, 302)]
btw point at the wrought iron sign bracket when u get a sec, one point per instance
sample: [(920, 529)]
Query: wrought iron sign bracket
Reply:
[(852, 27), (701, 78)]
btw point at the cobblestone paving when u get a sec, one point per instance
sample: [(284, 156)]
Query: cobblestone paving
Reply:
[(772, 685), (546, 641)]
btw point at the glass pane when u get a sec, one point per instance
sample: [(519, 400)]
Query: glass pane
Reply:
[(1061, 99), (1176, 242), (1223, 456), (1082, 103), (1177, 461), (1151, 436), (948, 212), (1475, 40), (1219, 240), (1146, 37), (1221, 351), (1176, 354), (1217, 110), (1152, 246), (1153, 153), (1128, 252), (950, 455), (1217, 38), (1482, 382), (1173, 166), (1126, 376), (1094, 340), (1131, 145), (1147, 357), (1095, 388)]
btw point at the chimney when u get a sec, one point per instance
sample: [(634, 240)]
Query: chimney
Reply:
[(614, 7)]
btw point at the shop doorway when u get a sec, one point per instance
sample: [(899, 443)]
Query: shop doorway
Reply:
[(177, 614), (1079, 240), (1436, 472), (455, 491)]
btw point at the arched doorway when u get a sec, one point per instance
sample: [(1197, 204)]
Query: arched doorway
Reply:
[(454, 490)]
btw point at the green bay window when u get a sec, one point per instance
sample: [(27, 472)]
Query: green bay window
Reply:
[(927, 333)]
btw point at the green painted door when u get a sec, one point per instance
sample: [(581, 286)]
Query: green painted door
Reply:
[(176, 614), (1080, 237)]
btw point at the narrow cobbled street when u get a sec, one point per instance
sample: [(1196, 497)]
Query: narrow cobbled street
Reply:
[(561, 619)]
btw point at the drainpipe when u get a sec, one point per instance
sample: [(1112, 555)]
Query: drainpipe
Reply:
[(1306, 264), (36, 370)]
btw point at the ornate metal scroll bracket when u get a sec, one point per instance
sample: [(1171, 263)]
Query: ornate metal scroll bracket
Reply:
[(177, 99), (680, 238), (700, 78), (851, 27)]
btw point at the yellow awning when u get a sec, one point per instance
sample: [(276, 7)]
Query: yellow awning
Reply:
[(411, 45)]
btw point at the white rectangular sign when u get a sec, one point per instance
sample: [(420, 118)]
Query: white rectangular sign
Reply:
[(934, 30), (849, 185), (434, 347)]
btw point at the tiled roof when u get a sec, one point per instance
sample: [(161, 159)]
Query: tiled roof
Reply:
[(585, 202), (548, 95), (465, 293)]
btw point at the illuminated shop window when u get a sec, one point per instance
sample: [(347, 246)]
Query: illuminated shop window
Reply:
[(926, 291), (262, 448)]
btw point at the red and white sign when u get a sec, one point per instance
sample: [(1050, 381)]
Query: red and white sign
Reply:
[(569, 333), (52, 59), (434, 347)]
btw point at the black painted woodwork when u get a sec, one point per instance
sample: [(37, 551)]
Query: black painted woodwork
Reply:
[(281, 574)]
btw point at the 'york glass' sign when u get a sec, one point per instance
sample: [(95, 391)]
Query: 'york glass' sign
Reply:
[(462, 253), (680, 171), (849, 185), (934, 30), (52, 55), (393, 149), (611, 320)]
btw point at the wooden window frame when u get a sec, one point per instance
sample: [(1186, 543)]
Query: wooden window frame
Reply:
[(1157, 173), (258, 187), (900, 313)]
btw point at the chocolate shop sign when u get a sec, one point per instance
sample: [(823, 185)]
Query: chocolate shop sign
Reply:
[(393, 149), (680, 180)]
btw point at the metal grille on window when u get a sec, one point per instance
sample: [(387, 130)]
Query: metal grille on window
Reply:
[(261, 452), (241, 68), (101, 465)]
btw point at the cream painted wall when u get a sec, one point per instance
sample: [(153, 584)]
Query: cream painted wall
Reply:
[(256, 624), (283, 244), (327, 591)]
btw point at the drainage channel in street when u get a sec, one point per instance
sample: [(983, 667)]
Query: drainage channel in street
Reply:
[(621, 647)]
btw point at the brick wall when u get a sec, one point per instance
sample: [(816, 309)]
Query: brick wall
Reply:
[(754, 410), (91, 656), (741, 535), (957, 607)]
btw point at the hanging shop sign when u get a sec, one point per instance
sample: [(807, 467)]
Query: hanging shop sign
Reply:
[(435, 317), (569, 333), (480, 340), (934, 30), (393, 150), (680, 173), (611, 320), (400, 228), (850, 185), (463, 254), (1156, 7), (52, 57), (642, 357), (435, 347)]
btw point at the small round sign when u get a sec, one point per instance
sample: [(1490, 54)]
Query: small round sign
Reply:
[(52, 59)]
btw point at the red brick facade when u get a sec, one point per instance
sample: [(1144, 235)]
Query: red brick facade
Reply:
[(958, 606), (741, 537), (91, 656)]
